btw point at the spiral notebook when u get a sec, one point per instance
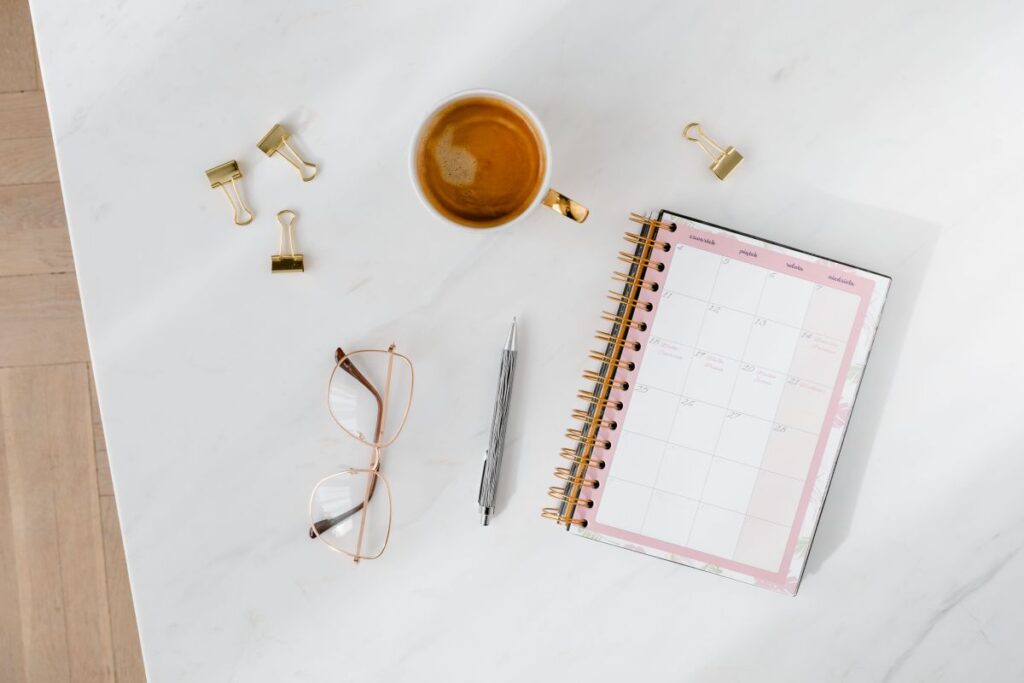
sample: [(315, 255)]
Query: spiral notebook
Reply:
[(719, 400)]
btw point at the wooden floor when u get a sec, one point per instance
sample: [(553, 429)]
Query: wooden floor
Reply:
[(66, 611)]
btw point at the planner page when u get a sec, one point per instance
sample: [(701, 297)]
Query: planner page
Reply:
[(736, 408)]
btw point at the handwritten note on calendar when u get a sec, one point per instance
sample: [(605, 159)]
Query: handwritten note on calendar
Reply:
[(737, 405)]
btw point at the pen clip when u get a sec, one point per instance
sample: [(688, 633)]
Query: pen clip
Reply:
[(483, 470), (483, 480)]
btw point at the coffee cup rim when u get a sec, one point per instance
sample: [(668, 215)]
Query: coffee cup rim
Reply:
[(466, 94)]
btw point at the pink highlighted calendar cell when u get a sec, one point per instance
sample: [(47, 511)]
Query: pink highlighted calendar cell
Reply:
[(789, 451), (775, 498), (761, 544), (831, 312), (803, 405), (817, 358)]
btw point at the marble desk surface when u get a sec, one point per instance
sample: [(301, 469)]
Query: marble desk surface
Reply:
[(888, 135)]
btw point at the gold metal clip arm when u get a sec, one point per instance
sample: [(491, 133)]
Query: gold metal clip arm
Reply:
[(241, 214), (723, 159), (287, 261), (227, 174), (276, 142)]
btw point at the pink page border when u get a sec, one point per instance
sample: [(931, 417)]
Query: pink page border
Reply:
[(729, 244)]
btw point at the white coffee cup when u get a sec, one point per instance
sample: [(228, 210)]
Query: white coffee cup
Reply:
[(543, 195)]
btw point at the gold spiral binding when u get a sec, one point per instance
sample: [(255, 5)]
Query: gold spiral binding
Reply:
[(632, 259), (581, 458), (620, 320), (628, 279), (557, 515), (584, 416), (603, 357), (592, 376), (646, 242), (598, 402), (572, 455), (566, 474), (620, 299), (558, 493), (586, 439), (653, 223), (617, 343)]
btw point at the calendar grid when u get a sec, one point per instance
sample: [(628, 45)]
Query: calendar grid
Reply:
[(717, 405), (734, 407), (731, 487), (675, 414), (704, 502), (771, 320), (790, 377), (732, 391), (707, 453)]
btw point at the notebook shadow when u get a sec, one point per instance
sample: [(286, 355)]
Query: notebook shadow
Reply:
[(908, 275), (894, 244), (901, 247)]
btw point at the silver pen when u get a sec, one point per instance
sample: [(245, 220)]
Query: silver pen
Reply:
[(499, 423)]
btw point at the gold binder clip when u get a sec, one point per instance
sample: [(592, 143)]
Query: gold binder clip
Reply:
[(276, 142), (290, 262), (722, 163), (229, 174)]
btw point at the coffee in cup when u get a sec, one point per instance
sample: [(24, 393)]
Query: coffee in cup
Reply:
[(482, 160)]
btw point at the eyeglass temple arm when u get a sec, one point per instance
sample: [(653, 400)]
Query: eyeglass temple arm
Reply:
[(325, 525), (348, 366)]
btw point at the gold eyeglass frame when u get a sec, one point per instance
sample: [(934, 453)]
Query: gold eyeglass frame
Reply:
[(344, 362)]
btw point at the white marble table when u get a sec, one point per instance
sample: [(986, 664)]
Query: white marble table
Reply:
[(884, 134)]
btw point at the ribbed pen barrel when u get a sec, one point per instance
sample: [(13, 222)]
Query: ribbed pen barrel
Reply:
[(496, 443)]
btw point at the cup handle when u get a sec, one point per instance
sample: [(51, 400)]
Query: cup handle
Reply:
[(565, 206)]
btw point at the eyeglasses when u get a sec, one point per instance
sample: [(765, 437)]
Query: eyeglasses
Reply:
[(368, 395)]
